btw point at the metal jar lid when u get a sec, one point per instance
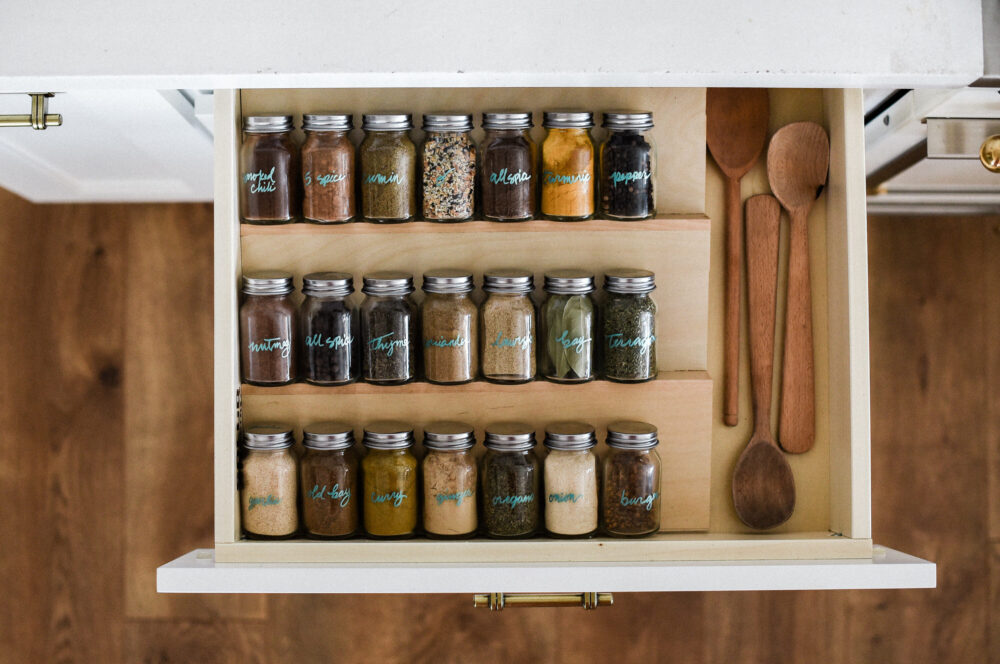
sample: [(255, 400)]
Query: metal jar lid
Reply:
[(508, 281), (327, 284), (568, 119), (328, 436), (447, 121), (268, 123), (628, 120), (507, 120), (386, 121), (628, 435), (388, 436), (510, 437), (268, 437), (629, 281), (268, 282), (389, 282), (328, 121), (570, 436), (449, 436), (569, 282), (448, 281)]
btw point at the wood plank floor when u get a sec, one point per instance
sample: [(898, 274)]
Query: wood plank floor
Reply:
[(105, 472)]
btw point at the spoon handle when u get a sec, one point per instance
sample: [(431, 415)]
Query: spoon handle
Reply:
[(797, 417), (731, 355), (763, 218)]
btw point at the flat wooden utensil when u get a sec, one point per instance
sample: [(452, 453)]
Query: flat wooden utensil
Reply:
[(797, 163), (736, 130), (763, 486)]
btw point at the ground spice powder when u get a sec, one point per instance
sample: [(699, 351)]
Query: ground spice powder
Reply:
[(450, 322), (329, 481), (508, 327), (328, 168), (450, 480), (389, 472), (571, 492), (508, 175), (269, 484), (567, 171)]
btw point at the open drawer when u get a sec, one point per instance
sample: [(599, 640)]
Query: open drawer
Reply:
[(702, 546)]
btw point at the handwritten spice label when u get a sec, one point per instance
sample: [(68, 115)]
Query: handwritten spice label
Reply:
[(456, 497), (617, 177), (259, 501), (387, 344), (323, 179), (394, 498), (261, 182), (343, 496), (271, 345), (505, 177), (333, 343), (646, 501)]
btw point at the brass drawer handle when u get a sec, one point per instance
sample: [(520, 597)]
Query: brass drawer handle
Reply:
[(497, 601), (40, 118), (989, 154)]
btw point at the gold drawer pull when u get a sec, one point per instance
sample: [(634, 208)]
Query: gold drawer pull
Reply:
[(497, 601), (40, 118), (989, 154)]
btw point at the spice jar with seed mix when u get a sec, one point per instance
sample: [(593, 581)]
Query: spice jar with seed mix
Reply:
[(328, 321), (508, 172), (630, 499), (571, 481), (628, 322), (448, 167), (270, 186), (389, 476), (328, 168), (450, 478), (328, 475), (511, 482), (508, 327), (569, 322), (450, 321), (390, 333), (268, 329), (568, 176), (388, 168), (269, 483), (628, 166)]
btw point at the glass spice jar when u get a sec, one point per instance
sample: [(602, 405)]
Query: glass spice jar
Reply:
[(511, 482), (389, 330), (328, 168), (388, 164), (569, 321), (630, 499), (448, 167), (450, 478), (328, 321), (628, 166), (509, 159), (268, 329), (270, 188), (571, 481), (389, 474), (628, 321), (508, 327), (450, 321), (568, 166), (328, 474), (269, 483)]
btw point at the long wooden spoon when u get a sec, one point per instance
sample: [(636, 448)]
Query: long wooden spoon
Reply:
[(797, 163), (763, 486), (736, 130)]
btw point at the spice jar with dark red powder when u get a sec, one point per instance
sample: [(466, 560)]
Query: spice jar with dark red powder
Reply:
[(331, 347), (269, 182), (509, 156), (630, 498), (328, 168), (329, 481), (268, 328)]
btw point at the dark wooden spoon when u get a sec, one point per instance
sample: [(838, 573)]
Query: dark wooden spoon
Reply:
[(763, 486)]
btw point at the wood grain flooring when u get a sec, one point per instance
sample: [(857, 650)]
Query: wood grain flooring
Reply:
[(105, 472)]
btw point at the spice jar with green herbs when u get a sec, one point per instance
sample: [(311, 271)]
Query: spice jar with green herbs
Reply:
[(511, 482), (508, 174), (388, 168), (268, 325), (330, 346), (390, 332), (269, 483), (571, 480), (628, 322), (450, 477), (568, 176), (389, 472), (569, 323), (329, 481), (269, 183), (628, 166), (450, 323), (630, 498), (508, 328), (328, 168), (448, 167)]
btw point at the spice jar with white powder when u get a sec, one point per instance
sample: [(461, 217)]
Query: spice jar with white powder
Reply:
[(571, 480), (269, 492), (449, 472)]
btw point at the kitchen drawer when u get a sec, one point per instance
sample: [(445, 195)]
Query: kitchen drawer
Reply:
[(827, 543)]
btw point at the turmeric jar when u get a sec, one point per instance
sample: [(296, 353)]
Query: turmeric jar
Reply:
[(389, 475), (568, 166)]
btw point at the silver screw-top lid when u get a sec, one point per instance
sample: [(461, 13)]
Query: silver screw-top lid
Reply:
[(628, 120), (448, 281), (510, 436), (449, 436), (328, 436), (268, 437), (389, 282), (447, 121), (568, 119), (386, 121), (327, 284), (569, 282), (328, 121), (388, 436), (268, 123), (507, 120), (629, 281), (570, 436), (268, 282), (629, 435), (508, 281)]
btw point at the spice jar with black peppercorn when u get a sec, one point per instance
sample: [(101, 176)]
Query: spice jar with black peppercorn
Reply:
[(508, 166), (330, 346), (390, 481), (571, 480), (511, 482), (508, 326), (390, 332), (328, 168), (329, 481), (448, 167), (268, 329), (269, 182), (269, 483), (628, 166), (568, 176), (450, 478), (569, 323), (388, 168), (628, 319), (630, 498), (450, 323)]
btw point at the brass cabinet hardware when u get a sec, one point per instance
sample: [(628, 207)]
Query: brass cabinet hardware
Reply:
[(989, 153), (39, 118), (497, 601)]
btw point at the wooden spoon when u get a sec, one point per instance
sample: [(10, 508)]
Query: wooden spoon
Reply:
[(736, 132), (797, 163), (763, 486)]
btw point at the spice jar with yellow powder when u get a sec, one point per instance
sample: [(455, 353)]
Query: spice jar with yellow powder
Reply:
[(389, 475), (568, 166)]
